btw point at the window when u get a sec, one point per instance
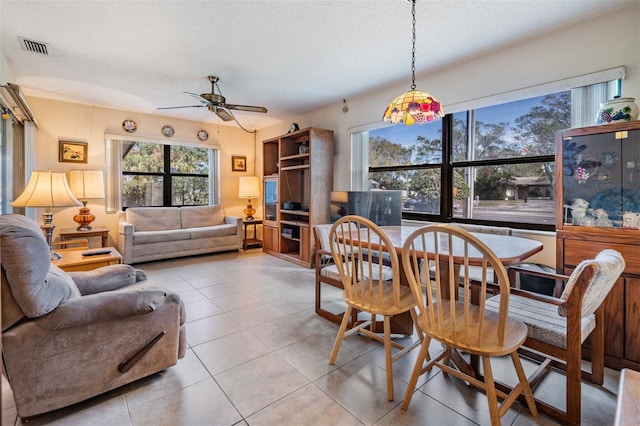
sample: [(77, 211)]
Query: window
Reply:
[(501, 166), (151, 173)]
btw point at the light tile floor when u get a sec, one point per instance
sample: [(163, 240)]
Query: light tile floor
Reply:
[(258, 355)]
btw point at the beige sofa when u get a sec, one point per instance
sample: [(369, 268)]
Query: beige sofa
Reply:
[(153, 233)]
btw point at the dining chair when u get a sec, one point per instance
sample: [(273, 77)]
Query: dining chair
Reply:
[(457, 323), (370, 272), (327, 273), (557, 327)]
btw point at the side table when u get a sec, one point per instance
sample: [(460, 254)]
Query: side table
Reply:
[(73, 260), (96, 231), (255, 241)]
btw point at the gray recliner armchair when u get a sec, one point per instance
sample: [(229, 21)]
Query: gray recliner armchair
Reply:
[(67, 337)]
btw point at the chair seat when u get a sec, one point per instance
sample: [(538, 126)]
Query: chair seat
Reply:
[(542, 319), (468, 340), (382, 304)]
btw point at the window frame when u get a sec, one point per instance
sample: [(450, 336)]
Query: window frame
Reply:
[(577, 85), (113, 157)]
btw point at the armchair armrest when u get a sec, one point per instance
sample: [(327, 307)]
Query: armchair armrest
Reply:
[(106, 278), (523, 269), (125, 228), (104, 307), (495, 289)]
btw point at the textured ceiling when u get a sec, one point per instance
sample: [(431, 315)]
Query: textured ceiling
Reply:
[(291, 56)]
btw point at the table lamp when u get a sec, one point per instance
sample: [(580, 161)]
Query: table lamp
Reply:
[(47, 189), (249, 188), (85, 184), (340, 198)]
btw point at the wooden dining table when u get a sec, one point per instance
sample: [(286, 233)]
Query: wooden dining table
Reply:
[(509, 249)]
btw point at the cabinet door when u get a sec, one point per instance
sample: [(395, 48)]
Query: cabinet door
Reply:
[(305, 244), (271, 238), (632, 320), (614, 327), (600, 178)]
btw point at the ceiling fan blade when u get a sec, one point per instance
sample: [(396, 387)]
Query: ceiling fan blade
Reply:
[(248, 108), (223, 114), (198, 97), (184, 106)]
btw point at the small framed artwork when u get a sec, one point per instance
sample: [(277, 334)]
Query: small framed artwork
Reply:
[(72, 152), (238, 163)]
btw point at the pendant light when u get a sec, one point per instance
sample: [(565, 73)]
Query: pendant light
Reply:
[(414, 106)]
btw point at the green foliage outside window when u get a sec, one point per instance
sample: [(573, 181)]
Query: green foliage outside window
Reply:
[(146, 174)]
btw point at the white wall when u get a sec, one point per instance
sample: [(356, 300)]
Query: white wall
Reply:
[(86, 123)]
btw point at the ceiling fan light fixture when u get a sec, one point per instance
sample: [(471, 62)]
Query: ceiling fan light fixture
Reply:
[(414, 106)]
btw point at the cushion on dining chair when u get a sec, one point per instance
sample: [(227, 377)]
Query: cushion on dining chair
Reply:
[(609, 264), (542, 319), (330, 271)]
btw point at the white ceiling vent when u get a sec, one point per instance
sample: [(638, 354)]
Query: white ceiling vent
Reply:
[(34, 46)]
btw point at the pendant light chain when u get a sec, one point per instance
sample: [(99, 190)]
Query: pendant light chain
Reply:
[(413, 48), (414, 106)]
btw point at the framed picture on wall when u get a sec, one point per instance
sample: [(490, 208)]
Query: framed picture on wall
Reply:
[(72, 152), (238, 163)]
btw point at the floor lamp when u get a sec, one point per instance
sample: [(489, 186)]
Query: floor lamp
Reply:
[(47, 189)]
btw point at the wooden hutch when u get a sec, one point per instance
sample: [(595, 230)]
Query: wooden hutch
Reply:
[(600, 165)]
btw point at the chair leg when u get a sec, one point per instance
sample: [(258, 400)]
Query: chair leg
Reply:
[(490, 388), (414, 317), (526, 389), (388, 356), (417, 369), (574, 385), (343, 328)]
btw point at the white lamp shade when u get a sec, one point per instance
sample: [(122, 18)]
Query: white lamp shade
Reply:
[(249, 187), (46, 189), (86, 184)]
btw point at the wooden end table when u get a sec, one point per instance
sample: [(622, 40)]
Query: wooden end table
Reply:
[(73, 260), (255, 241), (96, 231)]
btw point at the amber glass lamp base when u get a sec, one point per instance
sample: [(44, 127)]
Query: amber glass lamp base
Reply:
[(249, 211), (84, 218)]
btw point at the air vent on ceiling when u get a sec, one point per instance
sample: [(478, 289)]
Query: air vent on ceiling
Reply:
[(34, 46)]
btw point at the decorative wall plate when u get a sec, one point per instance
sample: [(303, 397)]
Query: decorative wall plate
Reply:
[(203, 135), (167, 130), (129, 126)]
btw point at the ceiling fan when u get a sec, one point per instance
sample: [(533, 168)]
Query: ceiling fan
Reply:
[(217, 103)]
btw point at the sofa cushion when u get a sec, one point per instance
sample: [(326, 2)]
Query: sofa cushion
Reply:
[(153, 218), (213, 231), (37, 286), (160, 236), (199, 216)]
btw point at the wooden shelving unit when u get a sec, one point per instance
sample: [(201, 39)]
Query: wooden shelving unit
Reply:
[(300, 164)]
